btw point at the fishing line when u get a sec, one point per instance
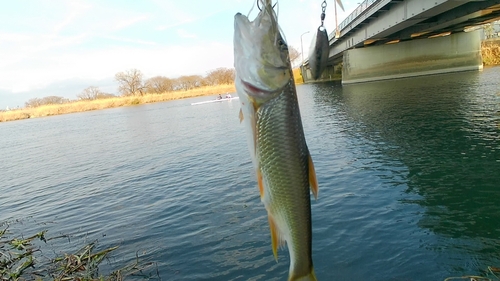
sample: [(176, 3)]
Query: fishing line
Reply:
[(253, 6), (280, 31), (323, 9), (265, 4)]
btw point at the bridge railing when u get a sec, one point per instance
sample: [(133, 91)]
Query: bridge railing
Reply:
[(356, 13)]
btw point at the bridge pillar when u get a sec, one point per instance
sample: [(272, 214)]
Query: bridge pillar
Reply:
[(331, 73), (452, 53)]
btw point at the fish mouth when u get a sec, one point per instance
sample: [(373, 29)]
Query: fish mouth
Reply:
[(254, 90), (261, 87), (241, 23)]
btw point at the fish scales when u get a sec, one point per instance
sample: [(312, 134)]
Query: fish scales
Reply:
[(280, 133)]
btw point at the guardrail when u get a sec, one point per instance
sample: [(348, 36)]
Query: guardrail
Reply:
[(356, 13)]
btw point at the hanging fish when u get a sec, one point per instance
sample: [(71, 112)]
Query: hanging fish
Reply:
[(318, 57), (320, 48), (270, 111)]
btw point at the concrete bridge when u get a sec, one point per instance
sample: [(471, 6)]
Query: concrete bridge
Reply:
[(386, 39)]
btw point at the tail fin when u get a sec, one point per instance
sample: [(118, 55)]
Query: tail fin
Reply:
[(310, 277)]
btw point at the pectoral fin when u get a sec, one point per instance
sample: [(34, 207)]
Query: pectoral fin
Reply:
[(313, 182), (261, 184), (241, 115)]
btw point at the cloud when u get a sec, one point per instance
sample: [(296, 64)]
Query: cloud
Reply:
[(129, 22), (177, 15), (7, 37), (95, 40), (184, 34), (130, 40), (20, 88), (76, 9), (175, 24), (170, 61)]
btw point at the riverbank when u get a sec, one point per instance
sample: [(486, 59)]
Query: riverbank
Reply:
[(490, 50), (88, 105), (27, 258)]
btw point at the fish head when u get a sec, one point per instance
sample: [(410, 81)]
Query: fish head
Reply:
[(261, 56)]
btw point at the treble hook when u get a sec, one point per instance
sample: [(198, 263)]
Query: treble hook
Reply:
[(260, 8)]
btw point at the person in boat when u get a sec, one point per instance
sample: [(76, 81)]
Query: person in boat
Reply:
[(219, 97)]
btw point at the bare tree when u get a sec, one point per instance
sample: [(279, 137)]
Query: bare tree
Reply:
[(102, 95), (159, 84), (35, 102), (54, 100), (189, 82), (219, 76), (489, 30), (90, 93), (130, 82), (293, 54)]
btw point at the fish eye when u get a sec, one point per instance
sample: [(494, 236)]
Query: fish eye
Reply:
[(282, 45)]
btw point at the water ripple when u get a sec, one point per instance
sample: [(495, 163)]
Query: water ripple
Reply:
[(407, 172)]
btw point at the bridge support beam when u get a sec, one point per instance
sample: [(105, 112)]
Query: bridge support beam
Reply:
[(331, 73), (452, 53)]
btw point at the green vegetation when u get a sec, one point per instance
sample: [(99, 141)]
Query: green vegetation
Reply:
[(26, 259)]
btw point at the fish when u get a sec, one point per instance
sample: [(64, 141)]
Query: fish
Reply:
[(320, 46), (283, 166), (318, 57)]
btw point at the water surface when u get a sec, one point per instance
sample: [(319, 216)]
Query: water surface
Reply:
[(408, 172)]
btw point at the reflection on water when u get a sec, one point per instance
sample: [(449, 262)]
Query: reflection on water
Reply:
[(408, 173), (444, 130)]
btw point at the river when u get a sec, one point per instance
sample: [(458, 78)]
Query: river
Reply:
[(408, 172)]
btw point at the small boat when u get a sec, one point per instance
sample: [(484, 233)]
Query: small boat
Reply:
[(217, 100)]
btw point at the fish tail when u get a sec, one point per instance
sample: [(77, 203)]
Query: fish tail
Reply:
[(309, 277)]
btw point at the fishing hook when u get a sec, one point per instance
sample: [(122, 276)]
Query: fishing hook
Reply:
[(260, 8)]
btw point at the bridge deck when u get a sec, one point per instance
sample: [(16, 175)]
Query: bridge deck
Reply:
[(377, 22)]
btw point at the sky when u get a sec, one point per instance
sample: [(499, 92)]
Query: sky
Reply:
[(60, 47)]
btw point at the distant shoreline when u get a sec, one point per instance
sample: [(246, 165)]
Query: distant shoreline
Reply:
[(89, 105), (490, 51)]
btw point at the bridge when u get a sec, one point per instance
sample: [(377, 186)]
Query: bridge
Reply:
[(386, 39)]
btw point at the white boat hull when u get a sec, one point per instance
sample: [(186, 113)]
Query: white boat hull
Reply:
[(211, 101)]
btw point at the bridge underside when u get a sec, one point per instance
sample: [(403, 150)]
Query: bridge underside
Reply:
[(453, 53), (400, 38)]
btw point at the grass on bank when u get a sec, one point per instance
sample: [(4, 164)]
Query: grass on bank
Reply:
[(490, 50), (87, 105), (26, 259)]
